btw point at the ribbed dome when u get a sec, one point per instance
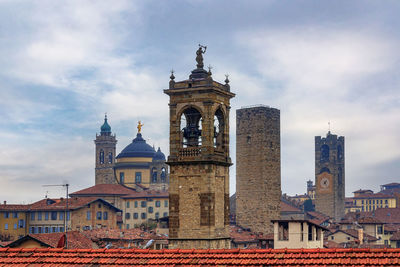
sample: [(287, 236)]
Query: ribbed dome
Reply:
[(138, 148), (159, 155)]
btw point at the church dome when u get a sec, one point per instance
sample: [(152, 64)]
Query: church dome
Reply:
[(138, 148), (159, 155)]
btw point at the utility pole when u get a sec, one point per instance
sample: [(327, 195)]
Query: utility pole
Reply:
[(65, 211)]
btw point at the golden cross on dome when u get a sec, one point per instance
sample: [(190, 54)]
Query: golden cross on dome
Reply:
[(139, 127)]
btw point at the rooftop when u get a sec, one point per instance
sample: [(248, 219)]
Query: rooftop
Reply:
[(105, 189), (191, 257)]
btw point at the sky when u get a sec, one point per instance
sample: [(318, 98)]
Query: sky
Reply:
[(64, 64)]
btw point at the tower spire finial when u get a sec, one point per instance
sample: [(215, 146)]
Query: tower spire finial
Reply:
[(139, 127)]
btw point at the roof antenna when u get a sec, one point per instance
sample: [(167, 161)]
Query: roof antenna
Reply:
[(329, 127)]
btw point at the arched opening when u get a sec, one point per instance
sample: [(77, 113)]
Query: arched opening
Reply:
[(163, 175), (219, 126), (110, 157), (190, 126), (154, 175), (324, 169), (324, 153), (101, 156)]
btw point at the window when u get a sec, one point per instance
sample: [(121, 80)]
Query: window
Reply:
[(61, 215), (386, 201), (154, 175), (380, 229), (46, 229), (61, 229), (88, 215), (32, 216), (54, 229), (283, 230), (6, 226), (110, 157), (101, 156), (135, 215), (136, 204), (121, 177), (127, 226), (127, 215), (381, 201), (143, 215), (127, 204), (332, 237), (39, 216), (15, 214), (163, 175), (98, 215), (105, 215), (39, 230), (46, 215), (68, 217), (157, 215), (6, 215), (386, 242), (310, 233), (31, 230), (165, 214), (150, 209), (99, 206), (165, 203), (54, 215), (21, 223), (373, 201), (362, 201), (301, 232), (138, 177), (158, 203), (15, 226), (143, 204)]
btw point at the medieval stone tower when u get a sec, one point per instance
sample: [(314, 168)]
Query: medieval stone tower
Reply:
[(258, 168), (199, 160), (329, 175), (105, 155)]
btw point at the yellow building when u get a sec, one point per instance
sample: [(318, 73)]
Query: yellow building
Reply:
[(368, 201), (12, 221), (141, 208)]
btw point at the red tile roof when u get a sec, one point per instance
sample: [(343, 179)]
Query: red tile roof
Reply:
[(192, 257), (395, 236), (285, 207), (104, 189), (239, 235), (60, 204), (13, 207)]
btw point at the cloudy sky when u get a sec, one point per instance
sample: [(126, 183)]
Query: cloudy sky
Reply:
[(63, 64)]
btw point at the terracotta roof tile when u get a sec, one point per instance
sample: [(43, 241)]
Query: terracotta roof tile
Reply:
[(104, 189), (285, 207), (60, 203), (14, 207), (268, 257)]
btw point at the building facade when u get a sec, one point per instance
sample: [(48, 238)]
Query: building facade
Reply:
[(330, 175), (199, 160), (258, 168), (105, 153)]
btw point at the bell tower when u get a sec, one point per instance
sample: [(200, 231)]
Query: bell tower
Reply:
[(330, 175), (199, 160), (105, 155)]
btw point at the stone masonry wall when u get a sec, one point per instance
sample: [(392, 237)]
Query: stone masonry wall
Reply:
[(258, 168)]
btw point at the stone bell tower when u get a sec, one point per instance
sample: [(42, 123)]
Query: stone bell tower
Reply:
[(105, 155), (199, 160), (330, 175)]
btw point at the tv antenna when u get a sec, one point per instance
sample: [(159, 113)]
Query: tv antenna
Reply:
[(66, 185)]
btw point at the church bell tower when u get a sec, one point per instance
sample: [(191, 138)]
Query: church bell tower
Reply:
[(105, 155), (199, 160)]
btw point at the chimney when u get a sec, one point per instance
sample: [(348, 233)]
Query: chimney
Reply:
[(5, 202), (360, 235)]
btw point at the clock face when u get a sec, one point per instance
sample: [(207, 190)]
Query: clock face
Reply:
[(324, 182)]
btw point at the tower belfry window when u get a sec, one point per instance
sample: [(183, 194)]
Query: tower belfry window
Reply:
[(324, 153), (101, 156), (191, 127), (110, 157), (218, 128)]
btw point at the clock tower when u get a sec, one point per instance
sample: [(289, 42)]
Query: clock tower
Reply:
[(199, 160), (329, 175)]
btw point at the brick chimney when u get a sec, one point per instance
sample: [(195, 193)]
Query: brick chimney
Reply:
[(360, 235)]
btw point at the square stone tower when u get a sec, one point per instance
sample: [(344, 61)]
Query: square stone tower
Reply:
[(199, 160), (258, 168), (329, 176), (105, 155)]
